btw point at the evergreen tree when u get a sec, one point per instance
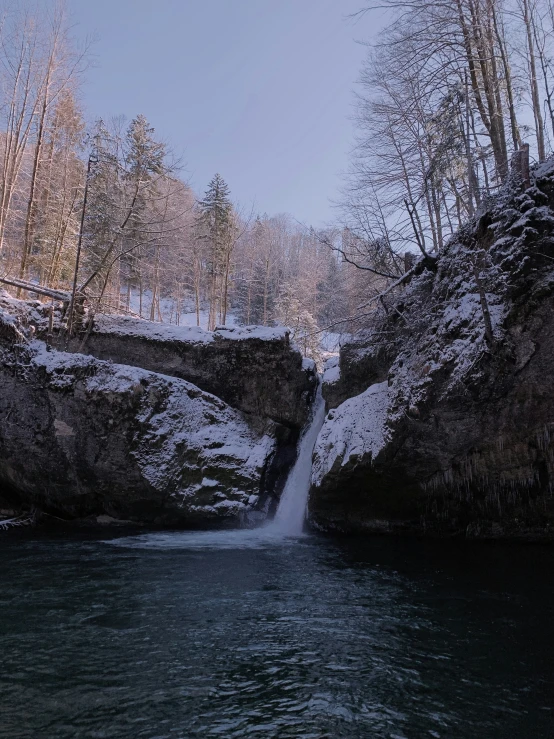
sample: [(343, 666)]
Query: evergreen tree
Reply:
[(104, 202), (144, 156), (218, 225), (144, 166)]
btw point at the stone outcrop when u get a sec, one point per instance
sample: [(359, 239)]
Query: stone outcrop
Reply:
[(122, 432), (360, 363), (81, 437), (448, 430), (254, 369)]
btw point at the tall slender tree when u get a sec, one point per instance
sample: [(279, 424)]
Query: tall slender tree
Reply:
[(216, 221)]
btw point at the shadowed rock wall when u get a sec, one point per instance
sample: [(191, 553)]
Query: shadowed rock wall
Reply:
[(254, 369), (452, 433)]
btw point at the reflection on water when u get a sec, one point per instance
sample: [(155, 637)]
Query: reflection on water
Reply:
[(245, 634)]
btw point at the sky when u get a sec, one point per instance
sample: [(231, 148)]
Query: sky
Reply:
[(260, 91)]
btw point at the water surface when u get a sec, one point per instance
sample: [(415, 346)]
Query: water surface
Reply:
[(238, 634)]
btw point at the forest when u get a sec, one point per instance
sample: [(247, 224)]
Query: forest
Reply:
[(449, 91)]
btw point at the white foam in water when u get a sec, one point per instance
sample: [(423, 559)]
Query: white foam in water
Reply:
[(233, 539), (285, 527)]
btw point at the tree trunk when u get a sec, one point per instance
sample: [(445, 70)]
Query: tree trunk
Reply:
[(535, 97)]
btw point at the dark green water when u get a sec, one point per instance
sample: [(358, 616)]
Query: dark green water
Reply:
[(169, 636)]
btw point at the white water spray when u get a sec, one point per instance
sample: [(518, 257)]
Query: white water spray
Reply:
[(289, 518)]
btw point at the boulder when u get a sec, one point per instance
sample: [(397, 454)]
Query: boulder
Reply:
[(81, 437), (361, 362), (255, 369)]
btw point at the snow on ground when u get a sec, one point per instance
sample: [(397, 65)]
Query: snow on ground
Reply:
[(353, 430), (265, 333), (187, 316), (186, 330), (128, 326)]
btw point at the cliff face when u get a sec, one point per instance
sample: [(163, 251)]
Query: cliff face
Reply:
[(450, 431), (82, 437), (254, 369)]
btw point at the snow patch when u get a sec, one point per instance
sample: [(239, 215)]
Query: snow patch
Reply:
[(263, 333), (141, 328), (352, 431), (331, 372)]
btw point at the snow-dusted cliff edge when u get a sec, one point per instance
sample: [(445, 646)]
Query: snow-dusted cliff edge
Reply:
[(85, 438), (433, 427)]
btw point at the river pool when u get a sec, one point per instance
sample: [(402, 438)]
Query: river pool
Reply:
[(249, 634)]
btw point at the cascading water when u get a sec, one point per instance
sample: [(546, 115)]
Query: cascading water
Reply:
[(289, 518)]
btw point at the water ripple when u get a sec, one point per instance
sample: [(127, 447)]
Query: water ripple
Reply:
[(248, 634)]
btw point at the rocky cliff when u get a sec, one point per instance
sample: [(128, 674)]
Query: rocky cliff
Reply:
[(442, 415), (254, 369), (84, 437)]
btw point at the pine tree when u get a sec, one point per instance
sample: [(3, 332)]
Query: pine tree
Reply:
[(216, 220), (144, 156), (145, 164), (104, 203)]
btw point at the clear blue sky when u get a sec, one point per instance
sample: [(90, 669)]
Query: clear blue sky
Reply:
[(260, 91)]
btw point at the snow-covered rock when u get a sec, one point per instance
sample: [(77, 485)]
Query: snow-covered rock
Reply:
[(82, 437), (434, 427), (354, 432), (361, 361), (254, 368), (169, 465), (330, 382)]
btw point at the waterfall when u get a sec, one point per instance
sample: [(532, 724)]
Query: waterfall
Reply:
[(289, 518)]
